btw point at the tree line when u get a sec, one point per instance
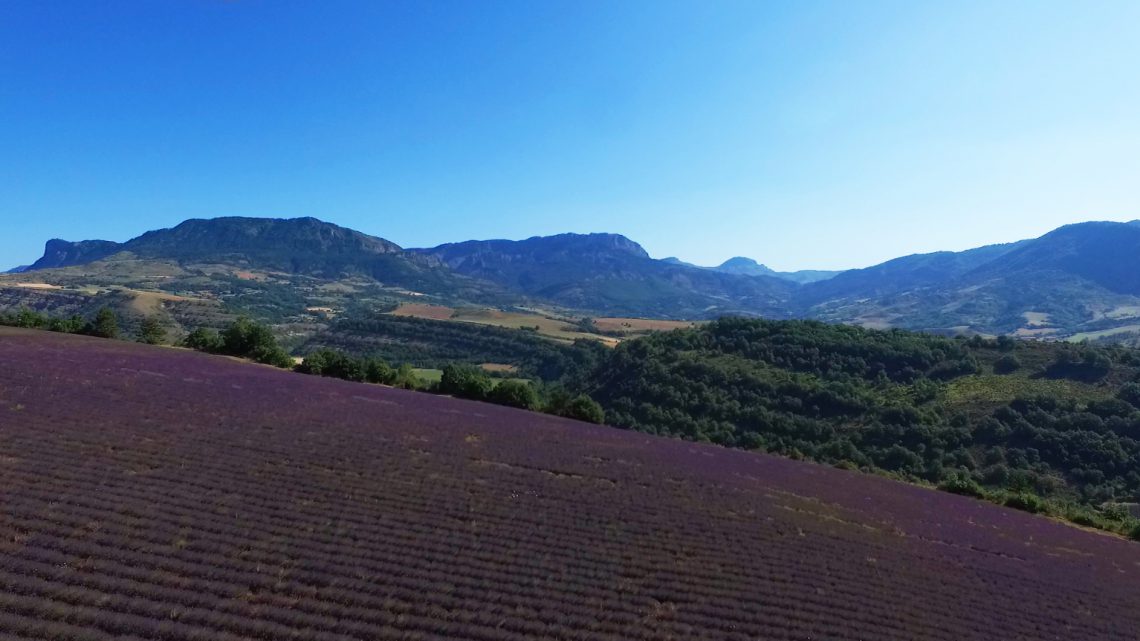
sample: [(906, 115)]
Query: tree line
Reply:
[(103, 324), (249, 339)]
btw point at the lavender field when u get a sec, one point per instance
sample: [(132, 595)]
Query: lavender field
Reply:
[(151, 493)]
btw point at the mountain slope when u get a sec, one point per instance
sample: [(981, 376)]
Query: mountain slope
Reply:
[(1104, 253), (902, 274), (181, 496), (1078, 278), (304, 246), (609, 273)]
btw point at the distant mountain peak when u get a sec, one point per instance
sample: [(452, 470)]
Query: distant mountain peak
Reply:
[(744, 265)]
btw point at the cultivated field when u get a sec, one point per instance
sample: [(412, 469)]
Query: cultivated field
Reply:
[(639, 325), (423, 310), (560, 329), (149, 493)]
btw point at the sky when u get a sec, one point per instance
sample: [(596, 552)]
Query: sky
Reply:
[(803, 134)]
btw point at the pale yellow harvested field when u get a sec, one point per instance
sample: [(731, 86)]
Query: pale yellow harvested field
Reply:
[(37, 286), (423, 310), (616, 324), (1124, 311), (149, 302), (498, 367), (555, 328)]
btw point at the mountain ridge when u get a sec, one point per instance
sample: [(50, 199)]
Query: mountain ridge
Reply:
[(1077, 278)]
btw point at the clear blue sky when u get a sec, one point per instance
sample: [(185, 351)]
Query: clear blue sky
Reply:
[(802, 134)]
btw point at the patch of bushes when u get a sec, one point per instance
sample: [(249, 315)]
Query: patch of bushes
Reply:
[(962, 484), (1025, 502)]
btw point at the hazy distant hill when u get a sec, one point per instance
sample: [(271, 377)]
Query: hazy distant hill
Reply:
[(902, 274), (1081, 279), (749, 267), (1104, 253), (610, 273)]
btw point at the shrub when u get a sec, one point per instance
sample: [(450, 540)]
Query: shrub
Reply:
[(962, 484), (1025, 502), (1083, 517)]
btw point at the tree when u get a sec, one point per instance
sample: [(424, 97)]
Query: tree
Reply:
[(465, 381), (105, 324), (248, 339), (151, 331), (203, 340), (377, 371), (519, 394), (244, 337), (406, 378), (314, 363), (584, 408)]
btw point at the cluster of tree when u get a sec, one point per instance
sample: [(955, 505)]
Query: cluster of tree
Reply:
[(104, 324), (466, 381), (335, 364), (244, 338), (880, 400), (458, 379), (248, 339)]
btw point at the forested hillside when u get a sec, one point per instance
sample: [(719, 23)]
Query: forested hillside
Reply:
[(1048, 420)]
